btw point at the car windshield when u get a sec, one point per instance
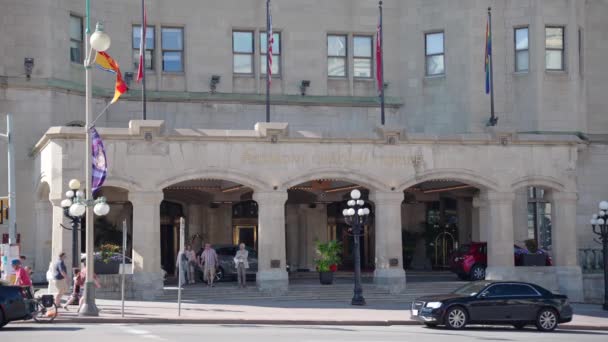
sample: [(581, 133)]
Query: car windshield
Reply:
[(471, 289)]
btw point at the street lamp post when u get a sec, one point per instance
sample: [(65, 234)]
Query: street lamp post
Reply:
[(599, 223), (356, 216), (74, 207), (99, 41)]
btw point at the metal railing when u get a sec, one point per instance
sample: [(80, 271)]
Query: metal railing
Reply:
[(591, 260)]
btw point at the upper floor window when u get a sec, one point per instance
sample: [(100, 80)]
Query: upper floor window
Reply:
[(149, 54), (522, 49), (581, 56), (435, 52), (276, 53), (76, 39), (172, 44), (362, 56), (336, 55), (242, 50), (554, 48)]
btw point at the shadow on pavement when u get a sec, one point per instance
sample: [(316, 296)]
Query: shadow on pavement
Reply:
[(40, 327)]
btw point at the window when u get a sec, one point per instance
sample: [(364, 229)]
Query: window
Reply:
[(522, 49), (76, 39), (434, 48), (172, 43), (362, 56), (336, 55), (539, 218), (149, 54), (276, 53), (581, 56), (242, 50), (510, 290), (554, 48)]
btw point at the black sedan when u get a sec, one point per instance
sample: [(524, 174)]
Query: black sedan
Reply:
[(487, 302), (13, 304)]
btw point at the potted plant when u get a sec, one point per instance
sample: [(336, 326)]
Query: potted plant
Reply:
[(108, 260), (534, 257), (328, 258)]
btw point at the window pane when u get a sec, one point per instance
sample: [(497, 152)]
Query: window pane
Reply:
[(363, 67), (554, 37), (172, 61), (363, 47), (275, 65), (544, 226), (275, 46), (434, 43), (336, 45), (434, 65), (75, 28), (522, 60), (148, 56), (172, 38), (521, 39), (531, 220), (243, 64), (336, 67), (149, 37), (75, 53), (554, 59), (242, 42)]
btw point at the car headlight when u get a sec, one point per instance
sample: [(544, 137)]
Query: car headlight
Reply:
[(434, 305)]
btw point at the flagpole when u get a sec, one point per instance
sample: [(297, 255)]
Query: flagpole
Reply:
[(381, 71), (143, 61), (267, 61), (493, 118)]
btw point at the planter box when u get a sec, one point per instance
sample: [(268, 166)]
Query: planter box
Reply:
[(109, 268), (534, 260), (326, 278)]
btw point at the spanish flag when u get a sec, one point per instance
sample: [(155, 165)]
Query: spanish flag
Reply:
[(107, 63)]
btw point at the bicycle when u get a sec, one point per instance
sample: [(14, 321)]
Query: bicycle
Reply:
[(42, 308)]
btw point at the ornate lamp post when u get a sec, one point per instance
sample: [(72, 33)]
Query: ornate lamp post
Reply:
[(599, 222), (73, 213), (356, 216)]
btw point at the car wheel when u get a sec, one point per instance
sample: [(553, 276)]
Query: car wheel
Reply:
[(519, 326), (431, 325), (219, 275), (456, 318), (546, 320), (478, 272), (3, 322)]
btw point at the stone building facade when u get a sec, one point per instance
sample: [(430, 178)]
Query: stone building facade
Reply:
[(207, 155)]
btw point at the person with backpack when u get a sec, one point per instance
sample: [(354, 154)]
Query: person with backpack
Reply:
[(60, 275)]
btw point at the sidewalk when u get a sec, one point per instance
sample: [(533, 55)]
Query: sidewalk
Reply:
[(587, 317)]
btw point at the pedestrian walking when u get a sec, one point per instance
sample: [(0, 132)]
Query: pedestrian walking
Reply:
[(241, 263), (76, 289), (22, 276), (60, 275), (83, 277), (209, 263), (191, 255)]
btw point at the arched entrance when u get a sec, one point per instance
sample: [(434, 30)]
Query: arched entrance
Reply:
[(313, 213), (438, 216), (216, 211)]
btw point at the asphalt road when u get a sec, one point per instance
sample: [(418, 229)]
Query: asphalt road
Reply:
[(130, 332)]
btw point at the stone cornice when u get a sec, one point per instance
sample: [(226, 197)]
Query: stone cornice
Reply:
[(136, 132), (65, 86)]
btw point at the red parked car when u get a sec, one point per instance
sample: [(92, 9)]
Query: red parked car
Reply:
[(470, 260)]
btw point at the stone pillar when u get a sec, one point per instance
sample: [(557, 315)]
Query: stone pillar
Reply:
[(564, 245), (499, 234), (272, 274), (61, 238), (147, 273), (480, 220), (44, 238), (389, 272)]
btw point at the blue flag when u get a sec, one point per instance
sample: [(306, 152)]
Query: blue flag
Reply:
[(100, 167)]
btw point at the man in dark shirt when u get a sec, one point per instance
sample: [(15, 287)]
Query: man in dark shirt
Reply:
[(60, 275)]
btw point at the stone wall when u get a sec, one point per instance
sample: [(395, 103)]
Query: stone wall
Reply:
[(593, 288), (111, 285)]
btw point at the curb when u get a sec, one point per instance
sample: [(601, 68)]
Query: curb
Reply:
[(190, 321)]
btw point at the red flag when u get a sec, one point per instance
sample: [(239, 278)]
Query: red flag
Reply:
[(379, 58), (142, 49)]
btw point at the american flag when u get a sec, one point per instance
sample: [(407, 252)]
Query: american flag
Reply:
[(142, 49), (270, 43)]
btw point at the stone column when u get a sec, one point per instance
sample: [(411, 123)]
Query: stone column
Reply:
[(272, 274), (480, 220), (499, 234), (44, 238), (389, 272), (564, 245), (147, 272), (61, 238)]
